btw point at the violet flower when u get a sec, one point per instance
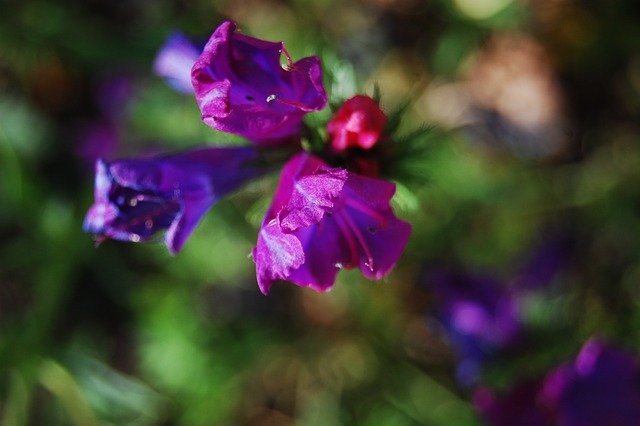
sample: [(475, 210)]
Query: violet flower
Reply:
[(601, 387), (242, 88), (480, 317), (137, 198), (323, 219), (175, 60)]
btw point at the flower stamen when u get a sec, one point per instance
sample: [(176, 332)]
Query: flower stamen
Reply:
[(363, 208), (346, 232)]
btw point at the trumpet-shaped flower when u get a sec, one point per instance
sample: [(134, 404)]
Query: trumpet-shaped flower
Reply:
[(242, 88), (137, 198), (323, 219)]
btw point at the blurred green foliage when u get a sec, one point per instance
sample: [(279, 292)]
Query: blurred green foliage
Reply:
[(128, 335)]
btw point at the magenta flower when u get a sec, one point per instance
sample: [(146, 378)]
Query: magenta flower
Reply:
[(242, 88), (323, 219), (137, 198), (358, 123), (175, 60)]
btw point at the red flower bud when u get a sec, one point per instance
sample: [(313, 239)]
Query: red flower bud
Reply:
[(358, 123)]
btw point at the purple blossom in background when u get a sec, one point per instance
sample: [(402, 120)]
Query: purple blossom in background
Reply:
[(137, 198), (601, 387), (114, 95), (242, 88), (175, 60), (544, 263), (96, 139), (323, 219), (479, 314), (99, 137)]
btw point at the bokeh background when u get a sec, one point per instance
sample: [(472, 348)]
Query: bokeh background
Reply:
[(532, 184)]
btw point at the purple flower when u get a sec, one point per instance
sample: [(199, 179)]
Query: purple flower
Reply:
[(480, 316), (242, 88), (137, 198), (600, 388), (175, 60), (323, 219)]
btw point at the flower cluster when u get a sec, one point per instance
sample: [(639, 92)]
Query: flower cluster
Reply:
[(323, 217)]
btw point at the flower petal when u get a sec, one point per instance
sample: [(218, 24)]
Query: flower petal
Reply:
[(241, 87), (313, 187), (368, 222), (323, 256), (276, 255)]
